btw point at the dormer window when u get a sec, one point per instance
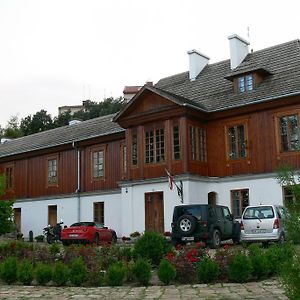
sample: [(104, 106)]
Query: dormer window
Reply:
[(245, 83)]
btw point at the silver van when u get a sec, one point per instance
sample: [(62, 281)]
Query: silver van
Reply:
[(262, 223)]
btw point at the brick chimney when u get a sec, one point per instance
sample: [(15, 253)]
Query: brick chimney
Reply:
[(238, 50), (197, 62)]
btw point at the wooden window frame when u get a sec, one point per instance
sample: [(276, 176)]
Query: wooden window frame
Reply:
[(123, 152), (176, 142), (93, 151), (52, 182), (278, 117), (9, 177), (134, 149), (98, 206), (241, 204), (155, 146), (229, 151), (245, 83), (197, 143)]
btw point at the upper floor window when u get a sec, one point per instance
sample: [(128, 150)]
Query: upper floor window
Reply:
[(245, 83), (239, 201), (123, 160), (155, 146), (176, 142), (289, 133), (134, 150), (197, 143), (9, 177), (98, 163), (52, 171), (237, 143)]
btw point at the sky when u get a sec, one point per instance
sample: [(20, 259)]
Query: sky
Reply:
[(60, 52)]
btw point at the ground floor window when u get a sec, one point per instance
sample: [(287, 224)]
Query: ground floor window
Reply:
[(239, 201), (99, 212), (17, 219)]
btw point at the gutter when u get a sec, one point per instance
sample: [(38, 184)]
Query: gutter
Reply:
[(77, 191)]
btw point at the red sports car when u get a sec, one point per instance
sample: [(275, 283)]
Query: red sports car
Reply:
[(88, 232)]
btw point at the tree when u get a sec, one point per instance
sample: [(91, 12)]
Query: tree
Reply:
[(290, 179), (40, 121), (12, 129), (6, 210), (62, 119)]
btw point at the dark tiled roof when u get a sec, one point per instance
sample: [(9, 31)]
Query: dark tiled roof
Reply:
[(213, 91), (63, 135)]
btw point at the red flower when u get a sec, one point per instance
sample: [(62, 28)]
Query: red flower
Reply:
[(178, 247), (170, 256), (200, 245), (192, 255), (226, 247)]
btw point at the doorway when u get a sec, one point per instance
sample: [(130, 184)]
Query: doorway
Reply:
[(52, 215), (212, 198), (17, 218), (154, 212)]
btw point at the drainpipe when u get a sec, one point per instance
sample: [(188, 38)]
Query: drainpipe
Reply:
[(77, 191)]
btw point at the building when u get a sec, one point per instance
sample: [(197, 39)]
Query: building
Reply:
[(220, 129)]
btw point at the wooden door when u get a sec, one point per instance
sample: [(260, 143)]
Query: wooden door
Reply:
[(17, 218), (154, 212), (52, 215)]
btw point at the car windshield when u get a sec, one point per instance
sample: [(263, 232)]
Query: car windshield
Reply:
[(193, 210), (259, 212), (83, 224)]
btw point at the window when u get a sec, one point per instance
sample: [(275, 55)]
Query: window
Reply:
[(239, 200), (52, 215), (289, 133), (123, 160), (197, 143), (155, 151), (98, 163), (9, 177), (237, 142), (99, 212), (176, 143), (245, 83), (52, 171), (134, 150)]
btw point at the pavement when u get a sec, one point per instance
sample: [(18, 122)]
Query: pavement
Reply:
[(267, 290)]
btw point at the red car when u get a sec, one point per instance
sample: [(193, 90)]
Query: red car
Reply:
[(88, 232)]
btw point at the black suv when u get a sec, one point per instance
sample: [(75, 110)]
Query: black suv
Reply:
[(202, 222)]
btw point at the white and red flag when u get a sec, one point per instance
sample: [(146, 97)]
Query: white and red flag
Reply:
[(171, 180)]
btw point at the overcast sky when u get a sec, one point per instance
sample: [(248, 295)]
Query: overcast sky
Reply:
[(60, 52)]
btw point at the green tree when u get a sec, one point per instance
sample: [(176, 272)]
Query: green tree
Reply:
[(290, 179), (40, 121), (6, 210), (12, 129), (62, 119)]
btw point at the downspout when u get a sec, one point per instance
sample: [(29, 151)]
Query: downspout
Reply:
[(77, 191)]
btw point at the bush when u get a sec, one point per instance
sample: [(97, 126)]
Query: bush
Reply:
[(260, 263), (9, 270), (290, 277), (152, 246), (207, 270), (43, 273), (240, 268), (142, 271), (78, 272), (25, 272), (54, 249), (39, 238), (116, 274), (166, 271), (60, 273)]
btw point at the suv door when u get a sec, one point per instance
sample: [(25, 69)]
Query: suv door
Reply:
[(226, 221)]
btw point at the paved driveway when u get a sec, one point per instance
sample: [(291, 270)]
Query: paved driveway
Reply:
[(265, 290)]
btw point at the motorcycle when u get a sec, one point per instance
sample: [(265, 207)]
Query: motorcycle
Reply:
[(53, 233)]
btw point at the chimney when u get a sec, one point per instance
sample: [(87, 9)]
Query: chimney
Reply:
[(238, 50), (197, 62)]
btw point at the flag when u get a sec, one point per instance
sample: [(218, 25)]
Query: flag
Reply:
[(171, 180)]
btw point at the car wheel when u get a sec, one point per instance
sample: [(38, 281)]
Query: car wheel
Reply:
[(96, 239), (216, 239), (186, 224)]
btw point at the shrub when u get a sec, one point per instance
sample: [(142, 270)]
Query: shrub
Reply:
[(43, 273), (166, 271), (39, 238), (259, 261), (25, 272), (142, 271), (152, 246), (240, 268), (9, 270), (207, 270), (60, 273), (78, 272), (116, 274), (54, 249), (290, 277)]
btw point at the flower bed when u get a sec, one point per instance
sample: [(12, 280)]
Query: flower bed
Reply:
[(90, 265)]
